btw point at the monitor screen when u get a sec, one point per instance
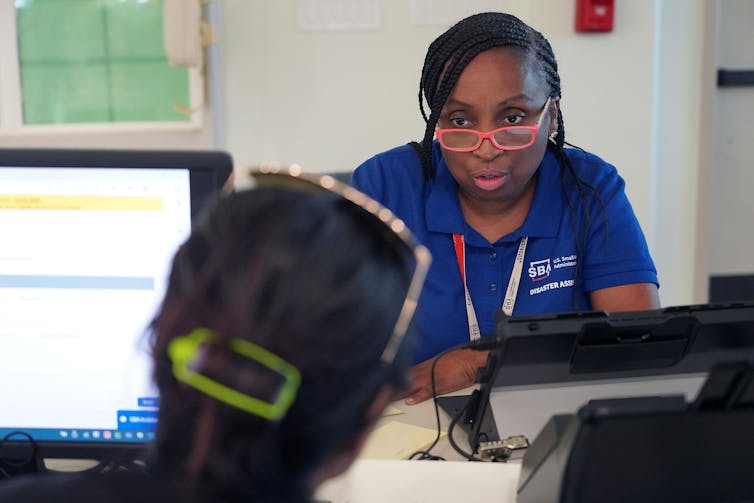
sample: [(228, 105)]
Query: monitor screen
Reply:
[(87, 243)]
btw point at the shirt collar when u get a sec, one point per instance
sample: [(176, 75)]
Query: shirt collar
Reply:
[(443, 211)]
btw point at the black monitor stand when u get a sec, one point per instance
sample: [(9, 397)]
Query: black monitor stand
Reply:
[(476, 420), (468, 406)]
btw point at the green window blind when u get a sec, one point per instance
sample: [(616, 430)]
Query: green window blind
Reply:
[(85, 61)]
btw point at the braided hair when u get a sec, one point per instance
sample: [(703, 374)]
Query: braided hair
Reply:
[(446, 59)]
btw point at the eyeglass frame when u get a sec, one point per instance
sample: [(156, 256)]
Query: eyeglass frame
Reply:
[(273, 175), (490, 135)]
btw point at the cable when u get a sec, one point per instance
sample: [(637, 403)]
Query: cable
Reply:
[(451, 427), (483, 344), (22, 463), (426, 453)]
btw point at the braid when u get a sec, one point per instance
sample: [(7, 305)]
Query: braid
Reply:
[(448, 56)]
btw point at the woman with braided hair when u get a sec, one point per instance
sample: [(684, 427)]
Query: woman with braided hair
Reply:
[(514, 220)]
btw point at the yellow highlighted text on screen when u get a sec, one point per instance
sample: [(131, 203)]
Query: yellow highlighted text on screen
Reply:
[(51, 202)]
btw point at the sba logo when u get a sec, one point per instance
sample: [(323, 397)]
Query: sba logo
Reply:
[(540, 269)]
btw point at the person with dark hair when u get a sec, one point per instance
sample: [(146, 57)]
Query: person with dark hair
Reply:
[(280, 340), (515, 220)]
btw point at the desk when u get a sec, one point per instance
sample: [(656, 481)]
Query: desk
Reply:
[(381, 481), (423, 415), (404, 481)]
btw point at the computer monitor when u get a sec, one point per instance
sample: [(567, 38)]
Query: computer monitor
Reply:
[(546, 363), (87, 240)]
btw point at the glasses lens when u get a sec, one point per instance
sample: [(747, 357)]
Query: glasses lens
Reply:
[(460, 139), (514, 137)]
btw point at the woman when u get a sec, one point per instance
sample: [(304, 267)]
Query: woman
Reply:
[(514, 220), (257, 401)]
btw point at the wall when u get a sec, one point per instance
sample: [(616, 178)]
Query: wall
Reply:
[(731, 177), (328, 100), (684, 81)]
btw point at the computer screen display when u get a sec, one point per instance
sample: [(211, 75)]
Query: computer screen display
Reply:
[(87, 242)]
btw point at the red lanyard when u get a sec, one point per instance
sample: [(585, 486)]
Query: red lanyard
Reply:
[(510, 294)]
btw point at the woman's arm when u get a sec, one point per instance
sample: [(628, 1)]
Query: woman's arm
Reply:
[(634, 297)]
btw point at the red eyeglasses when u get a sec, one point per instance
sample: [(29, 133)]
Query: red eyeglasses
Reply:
[(504, 138)]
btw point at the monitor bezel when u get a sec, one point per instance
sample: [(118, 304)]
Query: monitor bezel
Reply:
[(209, 174)]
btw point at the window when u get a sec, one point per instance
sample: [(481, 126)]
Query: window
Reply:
[(70, 63)]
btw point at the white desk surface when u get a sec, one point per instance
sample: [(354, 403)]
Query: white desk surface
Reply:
[(423, 414), (381, 481), (404, 481)]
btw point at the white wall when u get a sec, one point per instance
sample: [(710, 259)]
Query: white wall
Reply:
[(329, 100), (731, 243), (326, 100), (684, 82), (607, 88)]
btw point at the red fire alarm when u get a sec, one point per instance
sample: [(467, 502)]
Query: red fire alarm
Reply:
[(594, 15)]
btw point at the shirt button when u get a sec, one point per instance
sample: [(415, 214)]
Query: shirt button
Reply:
[(493, 255), (493, 287)]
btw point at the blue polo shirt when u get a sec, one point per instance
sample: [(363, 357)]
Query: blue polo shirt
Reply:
[(615, 250)]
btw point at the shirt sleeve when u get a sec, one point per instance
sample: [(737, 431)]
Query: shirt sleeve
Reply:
[(615, 249), (394, 178), (368, 179)]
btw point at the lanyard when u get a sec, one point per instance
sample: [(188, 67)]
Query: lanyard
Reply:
[(510, 294)]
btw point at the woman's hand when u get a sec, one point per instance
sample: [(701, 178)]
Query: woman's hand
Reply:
[(455, 370)]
